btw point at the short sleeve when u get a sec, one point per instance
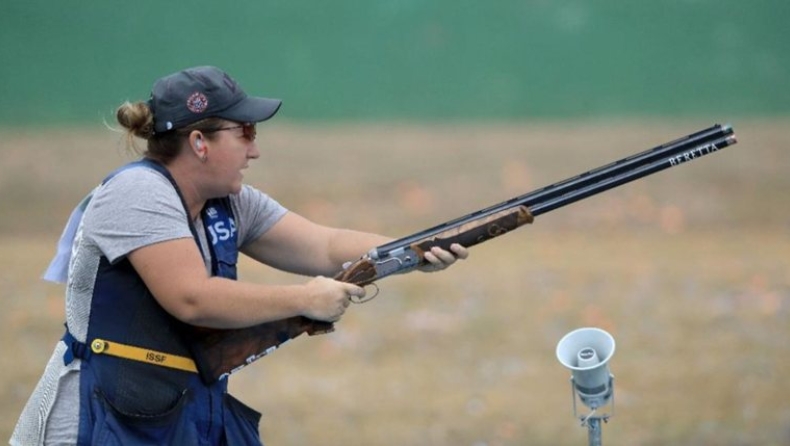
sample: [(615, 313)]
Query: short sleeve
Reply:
[(256, 212), (135, 208)]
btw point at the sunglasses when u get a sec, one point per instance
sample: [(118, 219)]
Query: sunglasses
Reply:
[(248, 130)]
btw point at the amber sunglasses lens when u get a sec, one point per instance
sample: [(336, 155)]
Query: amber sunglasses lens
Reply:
[(250, 132)]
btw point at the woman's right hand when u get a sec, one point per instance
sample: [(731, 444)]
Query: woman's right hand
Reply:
[(327, 299)]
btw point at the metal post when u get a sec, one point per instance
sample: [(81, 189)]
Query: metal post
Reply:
[(593, 419), (594, 431)]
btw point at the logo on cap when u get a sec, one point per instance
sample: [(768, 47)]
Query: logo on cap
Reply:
[(197, 103)]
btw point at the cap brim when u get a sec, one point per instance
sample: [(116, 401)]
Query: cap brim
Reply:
[(252, 109)]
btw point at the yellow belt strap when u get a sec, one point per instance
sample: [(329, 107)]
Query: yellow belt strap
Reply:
[(102, 347)]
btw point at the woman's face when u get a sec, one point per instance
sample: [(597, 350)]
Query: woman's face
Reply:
[(228, 153)]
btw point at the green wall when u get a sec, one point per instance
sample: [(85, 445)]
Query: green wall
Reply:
[(74, 61)]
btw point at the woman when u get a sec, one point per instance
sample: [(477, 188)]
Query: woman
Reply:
[(155, 251)]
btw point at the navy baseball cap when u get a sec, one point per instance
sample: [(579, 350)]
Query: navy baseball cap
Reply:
[(197, 93)]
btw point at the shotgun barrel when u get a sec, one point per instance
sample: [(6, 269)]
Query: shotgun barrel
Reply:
[(659, 153)]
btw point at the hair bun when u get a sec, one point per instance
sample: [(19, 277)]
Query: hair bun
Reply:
[(136, 118)]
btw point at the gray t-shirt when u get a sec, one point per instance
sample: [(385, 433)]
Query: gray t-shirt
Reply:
[(137, 207)]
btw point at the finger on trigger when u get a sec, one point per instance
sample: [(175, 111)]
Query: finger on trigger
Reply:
[(357, 291)]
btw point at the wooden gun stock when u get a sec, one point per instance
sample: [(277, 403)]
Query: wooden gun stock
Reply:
[(219, 353)]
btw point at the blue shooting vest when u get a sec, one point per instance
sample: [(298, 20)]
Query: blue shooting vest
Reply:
[(131, 402)]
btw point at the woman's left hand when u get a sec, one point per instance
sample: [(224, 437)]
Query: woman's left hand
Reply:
[(439, 259)]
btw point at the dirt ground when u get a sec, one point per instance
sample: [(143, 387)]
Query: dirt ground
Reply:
[(688, 269)]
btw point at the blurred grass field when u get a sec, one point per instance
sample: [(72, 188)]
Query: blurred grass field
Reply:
[(688, 269)]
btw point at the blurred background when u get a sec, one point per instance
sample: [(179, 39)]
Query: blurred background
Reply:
[(402, 114)]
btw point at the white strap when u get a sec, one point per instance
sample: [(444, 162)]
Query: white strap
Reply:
[(58, 270)]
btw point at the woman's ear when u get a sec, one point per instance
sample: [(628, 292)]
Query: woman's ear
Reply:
[(198, 145)]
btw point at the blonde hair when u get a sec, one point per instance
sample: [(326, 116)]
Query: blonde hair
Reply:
[(136, 118), (138, 121)]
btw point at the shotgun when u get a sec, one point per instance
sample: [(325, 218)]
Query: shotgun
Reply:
[(219, 353)]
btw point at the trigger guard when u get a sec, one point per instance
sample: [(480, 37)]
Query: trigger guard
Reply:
[(362, 300)]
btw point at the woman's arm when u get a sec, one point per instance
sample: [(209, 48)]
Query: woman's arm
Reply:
[(175, 274), (298, 245)]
